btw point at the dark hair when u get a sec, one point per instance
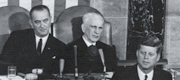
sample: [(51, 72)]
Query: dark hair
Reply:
[(152, 41), (38, 8)]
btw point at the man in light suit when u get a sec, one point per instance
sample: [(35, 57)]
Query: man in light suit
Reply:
[(34, 50), (89, 59), (148, 54)]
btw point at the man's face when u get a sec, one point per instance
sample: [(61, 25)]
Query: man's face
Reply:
[(93, 30), (41, 22), (147, 57)]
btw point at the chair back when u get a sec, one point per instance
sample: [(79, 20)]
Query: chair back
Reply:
[(12, 18), (67, 27)]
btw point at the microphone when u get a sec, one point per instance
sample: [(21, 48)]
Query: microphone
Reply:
[(103, 62), (102, 59), (75, 61), (61, 67)]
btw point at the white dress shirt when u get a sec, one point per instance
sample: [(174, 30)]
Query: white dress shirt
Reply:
[(44, 40), (142, 74)]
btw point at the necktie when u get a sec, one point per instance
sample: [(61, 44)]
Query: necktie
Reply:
[(93, 50), (145, 77), (92, 53), (39, 46)]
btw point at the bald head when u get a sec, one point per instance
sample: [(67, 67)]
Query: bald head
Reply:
[(92, 26)]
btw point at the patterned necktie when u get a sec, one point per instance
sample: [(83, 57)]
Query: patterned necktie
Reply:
[(39, 46), (145, 77)]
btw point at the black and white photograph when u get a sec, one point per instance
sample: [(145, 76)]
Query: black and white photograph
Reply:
[(89, 39)]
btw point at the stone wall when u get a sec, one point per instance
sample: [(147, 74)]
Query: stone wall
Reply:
[(115, 12), (172, 33)]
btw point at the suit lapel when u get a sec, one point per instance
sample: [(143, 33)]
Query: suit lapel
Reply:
[(156, 75), (82, 47), (82, 43), (48, 44), (134, 74)]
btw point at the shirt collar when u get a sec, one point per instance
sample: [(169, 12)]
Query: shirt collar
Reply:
[(142, 74), (87, 42), (44, 40)]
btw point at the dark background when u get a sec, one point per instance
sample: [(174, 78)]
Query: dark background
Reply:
[(146, 17)]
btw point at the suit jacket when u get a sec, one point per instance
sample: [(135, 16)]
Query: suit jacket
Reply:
[(20, 49), (132, 74), (84, 65)]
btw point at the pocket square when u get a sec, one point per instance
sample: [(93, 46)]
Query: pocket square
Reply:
[(54, 57)]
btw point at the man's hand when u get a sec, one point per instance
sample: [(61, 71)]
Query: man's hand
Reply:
[(37, 71), (31, 76)]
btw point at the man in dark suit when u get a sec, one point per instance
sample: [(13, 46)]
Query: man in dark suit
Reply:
[(92, 55), (35, 50), (148, 54)]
